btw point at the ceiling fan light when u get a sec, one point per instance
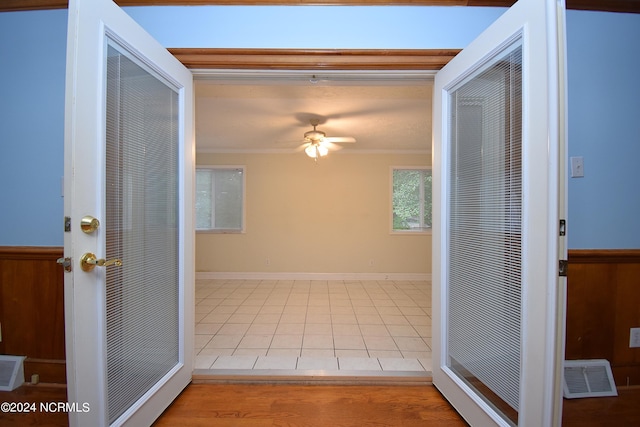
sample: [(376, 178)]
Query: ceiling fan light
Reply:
[(311, 151), (322, 150), (316, 150)]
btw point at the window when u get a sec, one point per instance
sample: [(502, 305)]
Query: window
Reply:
[(411, 199), (220, 199)]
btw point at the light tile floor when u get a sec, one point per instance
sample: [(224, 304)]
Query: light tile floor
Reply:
[(308, 325)]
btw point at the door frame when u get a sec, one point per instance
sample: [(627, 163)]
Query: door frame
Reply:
[(252, 65)]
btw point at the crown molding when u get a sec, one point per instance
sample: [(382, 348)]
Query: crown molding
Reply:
[(314, 59)]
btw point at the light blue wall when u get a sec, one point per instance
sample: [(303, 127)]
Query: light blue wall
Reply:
[(604, 128), (604, 99), (32, 58), (335, 27)]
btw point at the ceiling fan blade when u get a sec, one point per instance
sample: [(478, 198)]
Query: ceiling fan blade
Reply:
[(293, 143), (341, 139), (330, 145)]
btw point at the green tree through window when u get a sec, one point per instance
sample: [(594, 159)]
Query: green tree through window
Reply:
[(411, 199)]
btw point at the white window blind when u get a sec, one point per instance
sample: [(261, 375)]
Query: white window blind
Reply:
[(220, 198), (484, 230), (141, 226)]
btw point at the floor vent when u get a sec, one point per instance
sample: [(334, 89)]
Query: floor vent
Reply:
[(11, 372), (588, 378)]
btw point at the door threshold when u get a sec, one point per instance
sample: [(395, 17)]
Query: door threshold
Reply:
[(286, 376)]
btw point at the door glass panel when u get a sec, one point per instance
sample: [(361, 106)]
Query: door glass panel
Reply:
[(142, 295), (484, 231)]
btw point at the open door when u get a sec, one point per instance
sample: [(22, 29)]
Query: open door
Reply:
[(129, 281), (499, 188)]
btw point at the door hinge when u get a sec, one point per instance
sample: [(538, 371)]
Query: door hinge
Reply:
[(563, 227), (67, 224), (563, 266)]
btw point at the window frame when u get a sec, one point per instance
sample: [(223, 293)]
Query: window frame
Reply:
[(410, 232), (243, 223)]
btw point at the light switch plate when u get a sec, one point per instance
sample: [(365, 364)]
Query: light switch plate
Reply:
[(577, 167), (634, 338)]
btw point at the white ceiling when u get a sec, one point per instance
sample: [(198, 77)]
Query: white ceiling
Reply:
[(270, 113)]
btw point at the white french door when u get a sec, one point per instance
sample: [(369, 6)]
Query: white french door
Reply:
[(129, 156), (499, 187)]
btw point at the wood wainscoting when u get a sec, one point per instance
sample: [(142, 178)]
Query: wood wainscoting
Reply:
[(32, 310), (603, 303)]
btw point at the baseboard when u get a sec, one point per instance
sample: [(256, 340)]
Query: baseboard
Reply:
[(51, 371), (312, 276)]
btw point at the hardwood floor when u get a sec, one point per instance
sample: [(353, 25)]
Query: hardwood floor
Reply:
[(34, 395), (319, 405), (309, 405), (619, 411)]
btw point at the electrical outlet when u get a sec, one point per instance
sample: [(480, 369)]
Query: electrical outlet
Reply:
[(634, 338)]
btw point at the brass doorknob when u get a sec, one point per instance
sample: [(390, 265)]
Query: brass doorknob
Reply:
[(89, 261)]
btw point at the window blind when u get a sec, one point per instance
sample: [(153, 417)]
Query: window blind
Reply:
[(484, 238), (142, 230)]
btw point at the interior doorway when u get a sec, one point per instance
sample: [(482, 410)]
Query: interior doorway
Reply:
[(235, 329)]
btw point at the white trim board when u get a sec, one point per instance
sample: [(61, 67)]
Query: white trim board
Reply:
[(336, 77), (311, 276)]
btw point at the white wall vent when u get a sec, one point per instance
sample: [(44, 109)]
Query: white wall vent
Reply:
[(588, 378), (11, 372)]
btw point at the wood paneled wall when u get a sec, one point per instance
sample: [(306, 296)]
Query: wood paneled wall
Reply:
[(32, 310), (603, 303)]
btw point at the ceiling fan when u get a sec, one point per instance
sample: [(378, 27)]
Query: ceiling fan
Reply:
[(317, 143)]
